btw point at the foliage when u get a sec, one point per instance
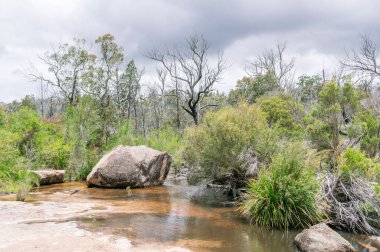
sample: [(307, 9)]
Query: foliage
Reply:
[(51, 149), (248, 89), (336, 108), (82, 136), (2, 117), (284, 114), (164, 139), (356, 164), (26, 123), (215, 144), (309, 87), (370, 139), (13, 173), (284, 196)]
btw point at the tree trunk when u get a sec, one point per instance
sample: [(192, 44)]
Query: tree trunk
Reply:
[(178, 121)]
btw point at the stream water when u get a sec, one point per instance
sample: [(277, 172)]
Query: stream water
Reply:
[(175, 216)]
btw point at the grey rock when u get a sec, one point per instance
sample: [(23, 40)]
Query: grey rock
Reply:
[(47, 177), (130, 166), (321, 238), (375, 241)]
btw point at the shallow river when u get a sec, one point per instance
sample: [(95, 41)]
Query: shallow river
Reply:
[(173, 217)]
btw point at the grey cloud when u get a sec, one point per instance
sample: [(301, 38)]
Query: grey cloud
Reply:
[(322, 27)]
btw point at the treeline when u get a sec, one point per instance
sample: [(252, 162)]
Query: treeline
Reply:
[(295, 151), (91, 98)]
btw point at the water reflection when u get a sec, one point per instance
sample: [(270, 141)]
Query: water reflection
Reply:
[(173, 215)]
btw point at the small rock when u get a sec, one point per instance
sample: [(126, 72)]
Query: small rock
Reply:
[(320, 238), (375, 240)]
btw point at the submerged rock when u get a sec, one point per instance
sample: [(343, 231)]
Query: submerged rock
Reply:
[(47, 177), (133, 166), (321, 238)]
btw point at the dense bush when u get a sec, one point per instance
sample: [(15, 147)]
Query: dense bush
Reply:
[(355, 164), (332, 115), (284, 195), (216, 144), (14, 175), (52, 151), (248, 89), (25, 123), (284, 114), (370, 139), (164, 139)]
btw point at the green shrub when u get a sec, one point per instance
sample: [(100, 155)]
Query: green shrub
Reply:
[(355, 164), (217, 142), (377, 189), (52, 151), (369, 142), (284, 196), (84, 171), (336, 107), (284, 114), (125, 135), (248, 89), (166, 139), (14, 174), (26, 123)]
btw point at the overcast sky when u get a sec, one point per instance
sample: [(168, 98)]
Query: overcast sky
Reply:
[(317, 33)]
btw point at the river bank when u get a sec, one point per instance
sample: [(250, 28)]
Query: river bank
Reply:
[(173, 217)]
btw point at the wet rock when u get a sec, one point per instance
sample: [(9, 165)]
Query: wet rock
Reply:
[(47, 177), (375, 241), (133, 166), (181, 175), (211, 185), (321, 238)]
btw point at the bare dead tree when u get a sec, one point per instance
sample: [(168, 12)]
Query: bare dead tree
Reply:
[(42, 94), (351, 203), (273, 61), (190, 67), (162, 77), (364, 61)]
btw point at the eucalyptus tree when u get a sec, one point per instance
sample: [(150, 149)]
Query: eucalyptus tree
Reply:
[(65, 68), (190, 67), (101, 77), (127, 88)]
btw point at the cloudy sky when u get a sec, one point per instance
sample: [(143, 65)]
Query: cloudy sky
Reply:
[(317, 32)]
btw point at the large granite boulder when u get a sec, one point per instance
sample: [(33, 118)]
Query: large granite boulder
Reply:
[(320, 238), (133, 166), (47, 177)]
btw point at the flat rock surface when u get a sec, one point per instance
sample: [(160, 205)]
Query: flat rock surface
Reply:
[(49, 225)]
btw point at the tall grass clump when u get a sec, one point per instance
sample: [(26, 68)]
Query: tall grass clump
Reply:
[(284, 196)]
